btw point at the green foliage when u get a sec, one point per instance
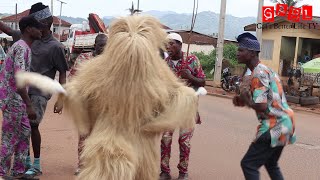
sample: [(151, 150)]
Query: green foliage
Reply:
[(230, 53), (208, 61), (288, 2)]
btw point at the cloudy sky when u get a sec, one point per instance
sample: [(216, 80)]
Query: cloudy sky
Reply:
[(81, 8)]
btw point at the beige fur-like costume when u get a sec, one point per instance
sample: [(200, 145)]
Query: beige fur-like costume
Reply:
[(125, 99)]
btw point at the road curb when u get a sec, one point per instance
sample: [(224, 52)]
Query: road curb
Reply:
[(293, 108), (307, 111), (220, 95)]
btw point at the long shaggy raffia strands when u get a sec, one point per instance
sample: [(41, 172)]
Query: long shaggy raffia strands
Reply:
[(50, 87), (126, 98)]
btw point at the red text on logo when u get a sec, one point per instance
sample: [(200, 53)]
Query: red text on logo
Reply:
[(307, 13), (267, 14), (292, 13)]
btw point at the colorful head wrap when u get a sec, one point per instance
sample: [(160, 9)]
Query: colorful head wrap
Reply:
[(40, 11), (248, 41)]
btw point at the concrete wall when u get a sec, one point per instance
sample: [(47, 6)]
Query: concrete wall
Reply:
[(198, 48), (276, 34), (57, 29)]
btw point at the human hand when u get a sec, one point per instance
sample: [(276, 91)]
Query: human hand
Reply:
[(185, 74), (237, 101), (246, 98), (31, 113), (58, 106)]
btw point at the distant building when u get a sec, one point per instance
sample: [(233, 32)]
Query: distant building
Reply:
[(284, 43), (12, 20), (199, 42)]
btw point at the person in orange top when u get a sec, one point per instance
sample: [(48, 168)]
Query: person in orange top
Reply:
[(267, 98)]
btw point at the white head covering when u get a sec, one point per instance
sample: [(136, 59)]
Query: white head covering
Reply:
[(175, 36)]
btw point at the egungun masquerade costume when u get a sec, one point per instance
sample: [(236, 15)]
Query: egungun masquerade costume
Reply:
[(125, 99)]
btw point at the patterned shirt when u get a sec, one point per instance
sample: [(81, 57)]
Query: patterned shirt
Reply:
[(17, 59), (278, 118), (82, 57), (191, 63), (246, 81)]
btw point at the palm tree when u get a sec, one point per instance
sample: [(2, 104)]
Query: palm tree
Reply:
[(293, 3), (133, 10)]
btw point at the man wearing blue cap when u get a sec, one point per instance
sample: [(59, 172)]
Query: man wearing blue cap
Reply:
[(48, 58), (267, 98)]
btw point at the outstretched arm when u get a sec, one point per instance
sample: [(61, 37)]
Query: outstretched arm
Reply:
[(6, 29), (16, 35)]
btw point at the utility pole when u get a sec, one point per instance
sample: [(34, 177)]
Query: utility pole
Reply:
[(218, 64), (52, 7), (59, 32), (16, 24), (52, 14), (259, 21), (132, 10)]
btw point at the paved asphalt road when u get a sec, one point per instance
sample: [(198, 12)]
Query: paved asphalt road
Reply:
[(218, 144)]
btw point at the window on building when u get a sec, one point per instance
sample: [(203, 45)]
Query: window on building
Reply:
[(267, 49)]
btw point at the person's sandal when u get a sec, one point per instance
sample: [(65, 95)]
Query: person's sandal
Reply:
[(18, 176), (165, 176), (183, 176), (32, 172), (6, 177), (27, 167)]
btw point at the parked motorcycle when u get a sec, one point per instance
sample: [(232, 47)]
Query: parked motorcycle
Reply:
[(230, 83), (294, 84)]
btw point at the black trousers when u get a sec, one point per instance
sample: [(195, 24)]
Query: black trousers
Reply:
[(261, 153)]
